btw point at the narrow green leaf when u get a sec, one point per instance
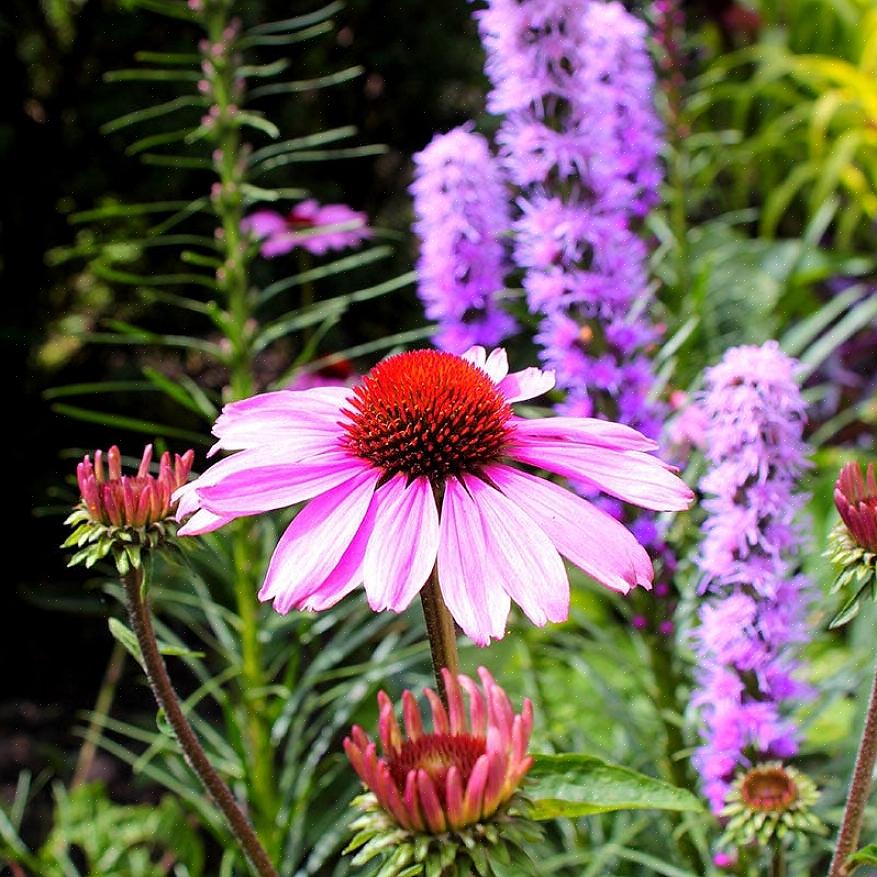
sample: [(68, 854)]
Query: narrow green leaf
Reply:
[(302, 156), (154, 112), (574, 785), (146, 75), (118, 421), (299, 21), (176, 392), (865, 856), (126, 637), (168, 57), (330, 135), (257, 40), (300, 85)]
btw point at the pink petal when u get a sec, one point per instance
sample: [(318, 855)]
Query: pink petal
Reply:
[(263, 223), (588, 537), (472, 591), (411, 716), (589, 430), (402, 551), (526, 384), (476, 354), (629, 475), (497, 365), (262, 488), (301, 434), (520, 555), (429, 800), (315, 543), (203, 522)]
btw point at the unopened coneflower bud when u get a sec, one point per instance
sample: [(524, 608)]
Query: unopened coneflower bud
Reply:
[(853, 542), (439, 794), (124, 514)]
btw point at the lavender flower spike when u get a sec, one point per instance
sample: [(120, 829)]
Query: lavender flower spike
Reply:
[(754, 611), (461, 212)]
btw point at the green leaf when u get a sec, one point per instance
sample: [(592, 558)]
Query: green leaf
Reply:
[(573, 785), (865, 856), (126, 637)]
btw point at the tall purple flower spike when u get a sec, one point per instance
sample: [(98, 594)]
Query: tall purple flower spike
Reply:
[(753, 614), (462, 212)]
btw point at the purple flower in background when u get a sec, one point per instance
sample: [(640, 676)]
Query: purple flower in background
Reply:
[(753, 614), (461, 213), (317, 228), (580, 137)]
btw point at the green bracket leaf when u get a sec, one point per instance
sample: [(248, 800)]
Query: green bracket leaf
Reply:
[(865, 856), (574, 785)]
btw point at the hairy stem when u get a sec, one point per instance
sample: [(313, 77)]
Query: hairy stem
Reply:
[(778, 861), (196, 758), (440, 630), (860, 787)]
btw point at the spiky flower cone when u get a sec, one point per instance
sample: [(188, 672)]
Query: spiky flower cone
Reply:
[(853, 543), (445, 802), (124, 514), (766, 803)]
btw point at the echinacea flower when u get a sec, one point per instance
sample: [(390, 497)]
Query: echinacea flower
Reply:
[(124, 513), (853, 542), (438, 794), (317, 228), (426, 431)]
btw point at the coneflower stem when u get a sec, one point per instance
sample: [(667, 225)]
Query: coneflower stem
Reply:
[(778, 863), (860, 786), (196, 758), (440, 630)]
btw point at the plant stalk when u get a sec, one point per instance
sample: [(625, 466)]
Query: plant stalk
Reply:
[(778, 861), (196, 758), (440, 630), (860, 786)]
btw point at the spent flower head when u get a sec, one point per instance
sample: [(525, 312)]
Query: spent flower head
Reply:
[(437, 795), (767, 802), (124, 514), (417, 467), (853, 542)]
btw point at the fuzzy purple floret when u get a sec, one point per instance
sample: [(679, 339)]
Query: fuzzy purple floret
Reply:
[(580, 138), (462, 212), (753, 615)]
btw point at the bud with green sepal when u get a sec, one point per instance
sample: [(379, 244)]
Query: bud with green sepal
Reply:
[(124, 515), (853, 542)]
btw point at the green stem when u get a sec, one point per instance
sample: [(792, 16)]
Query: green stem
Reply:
[(664, 695), (101, 710), (196, 758), (778, 862), (233, 279), (860, 787), (440, 630)]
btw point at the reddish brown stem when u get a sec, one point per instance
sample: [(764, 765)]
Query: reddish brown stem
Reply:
[(860, 786), (440, 629), (166, 696)]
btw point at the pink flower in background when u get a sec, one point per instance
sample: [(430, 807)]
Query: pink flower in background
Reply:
[(413, 467), (317, 228), (459, 774)]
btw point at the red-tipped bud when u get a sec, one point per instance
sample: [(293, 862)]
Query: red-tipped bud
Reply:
[(855, 496)]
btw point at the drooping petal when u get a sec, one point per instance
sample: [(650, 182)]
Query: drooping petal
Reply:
[(586, 430), (588, 537), (520, 555), (203, 522), (477, 355), (633, 476), (526, 384), (315, 543), (473, 593), (497, 365), (403, 551), (262, 488)]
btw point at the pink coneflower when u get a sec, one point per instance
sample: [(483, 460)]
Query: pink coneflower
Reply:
[(459, 774), (855, 496), (426, 430), (317, 228)]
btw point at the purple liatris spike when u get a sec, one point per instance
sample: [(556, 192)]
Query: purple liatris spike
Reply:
[(462, 212), (752, 616), (581, 138)]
